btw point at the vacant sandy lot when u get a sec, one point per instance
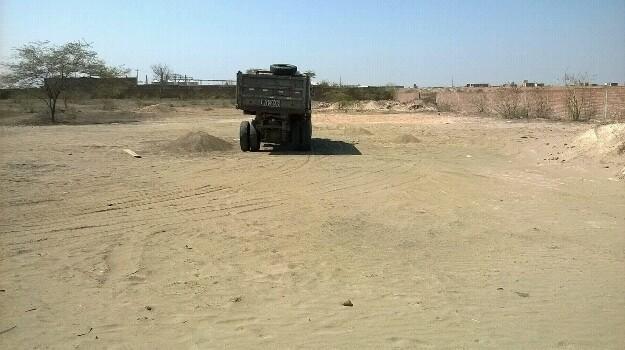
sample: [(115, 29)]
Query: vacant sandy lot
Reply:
[(443, 231)]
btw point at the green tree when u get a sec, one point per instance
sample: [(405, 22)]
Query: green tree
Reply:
[(310, 73), (48, 67)]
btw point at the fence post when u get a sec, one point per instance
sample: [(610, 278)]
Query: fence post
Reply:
[(605, 105)]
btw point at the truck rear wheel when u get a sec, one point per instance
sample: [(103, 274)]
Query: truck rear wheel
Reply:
[(306, 134), (244, 136), (301, 134), (254, 139)]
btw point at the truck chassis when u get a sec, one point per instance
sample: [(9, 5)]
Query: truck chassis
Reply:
[(280, 101)]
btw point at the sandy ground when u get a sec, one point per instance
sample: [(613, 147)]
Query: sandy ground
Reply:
[(443, 231)]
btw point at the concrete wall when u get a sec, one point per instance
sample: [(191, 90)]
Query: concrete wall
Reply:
[(133, 91), (183, 92), (597, 103), (97, 87), (335, 93)]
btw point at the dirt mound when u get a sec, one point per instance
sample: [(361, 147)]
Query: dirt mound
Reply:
[(376, 105), (372, 105), (602, 140), (406, 138), (356, 131), (621, 174), (197, 141), (321, 105), (156, 108)]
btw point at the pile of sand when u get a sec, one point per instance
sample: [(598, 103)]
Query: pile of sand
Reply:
[(321, 105), (406, 138), (621, 174), (156, 108), (602, 140), (372, 105), (356, 131), (197, 141)]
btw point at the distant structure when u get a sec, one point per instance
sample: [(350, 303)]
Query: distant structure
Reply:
[(189, 81), (478, 85), (611, 84), (529, 84), (183, 80)]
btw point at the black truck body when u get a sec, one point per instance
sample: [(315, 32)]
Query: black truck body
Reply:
[(280, 100)]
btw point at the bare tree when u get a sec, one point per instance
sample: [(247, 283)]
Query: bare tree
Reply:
[(162, 73), (49, 67)]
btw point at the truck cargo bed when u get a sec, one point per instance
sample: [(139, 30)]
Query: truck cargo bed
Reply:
[(268, 93)]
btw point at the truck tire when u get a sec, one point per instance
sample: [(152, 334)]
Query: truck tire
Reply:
[(301, 134), (295, 134), (244, 136), (306, 126), (254, 139), (283, 69)]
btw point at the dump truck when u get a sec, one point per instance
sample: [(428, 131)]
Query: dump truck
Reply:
[(280, 100)]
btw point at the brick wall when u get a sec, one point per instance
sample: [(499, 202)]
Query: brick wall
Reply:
[(597, 103)]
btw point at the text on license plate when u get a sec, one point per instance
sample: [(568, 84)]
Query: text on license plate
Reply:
[(269, 103)]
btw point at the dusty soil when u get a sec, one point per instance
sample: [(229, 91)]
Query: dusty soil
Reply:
[(480, 235)]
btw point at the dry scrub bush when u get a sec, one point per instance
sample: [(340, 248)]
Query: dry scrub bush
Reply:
[(428, 97), (508, 104), (140, 103), (344, 105), (480, 103), (578, 104), (445, 107), (109, 105), (538, 106), (26, 105)]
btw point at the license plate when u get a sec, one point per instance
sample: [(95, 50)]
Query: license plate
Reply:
[(270, 103)]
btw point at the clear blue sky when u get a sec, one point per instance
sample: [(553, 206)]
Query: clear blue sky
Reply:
[(367, 42)]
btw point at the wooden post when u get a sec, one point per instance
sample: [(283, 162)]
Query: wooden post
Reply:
[(605, 105), (129, 151)]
